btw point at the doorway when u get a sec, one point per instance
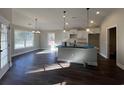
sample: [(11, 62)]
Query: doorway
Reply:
[(112, 43)]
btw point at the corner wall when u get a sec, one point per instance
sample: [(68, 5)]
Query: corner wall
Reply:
[(114, 19)]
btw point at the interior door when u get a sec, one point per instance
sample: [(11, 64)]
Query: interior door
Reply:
[(112, 43), (3, 45)]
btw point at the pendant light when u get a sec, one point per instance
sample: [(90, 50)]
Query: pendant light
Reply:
[(88, 28), (64, 16), (36, 28)]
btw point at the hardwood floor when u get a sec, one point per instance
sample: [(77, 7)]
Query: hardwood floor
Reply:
[(41, 68)]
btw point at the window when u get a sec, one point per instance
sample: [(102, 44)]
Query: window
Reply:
[(23, 39), (51, 40), (29, 39)]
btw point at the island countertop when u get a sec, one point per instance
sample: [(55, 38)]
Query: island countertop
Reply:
[(76, 46)]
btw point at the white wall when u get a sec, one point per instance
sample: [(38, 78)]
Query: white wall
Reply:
[(23, 50), (59, 37), (6, 13), (115, 18)]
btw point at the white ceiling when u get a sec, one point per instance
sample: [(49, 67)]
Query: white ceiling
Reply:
[(51, 18)]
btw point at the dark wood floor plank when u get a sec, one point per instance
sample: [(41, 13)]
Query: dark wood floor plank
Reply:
[(37, 68)]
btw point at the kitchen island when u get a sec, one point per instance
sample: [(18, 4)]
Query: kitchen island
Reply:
[(85, 54)]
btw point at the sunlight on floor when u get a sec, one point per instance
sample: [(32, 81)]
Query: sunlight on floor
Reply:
[(44, 52), (47, 51), (64, 65), (35, 71), (50, 67)]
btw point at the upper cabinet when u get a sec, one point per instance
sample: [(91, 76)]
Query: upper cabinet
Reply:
[(95, 30), (73, 31), (82, 35)]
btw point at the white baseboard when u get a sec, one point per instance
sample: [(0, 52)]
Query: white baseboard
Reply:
[(103, 55), (24, 52), (120, 66)]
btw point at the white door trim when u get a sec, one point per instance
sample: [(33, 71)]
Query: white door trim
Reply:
[(107, 39)]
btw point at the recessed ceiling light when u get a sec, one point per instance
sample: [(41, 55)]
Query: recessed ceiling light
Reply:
[(92, 21), (64, 16), (97, 12), (64, 31), (88, 30), (66, 23)]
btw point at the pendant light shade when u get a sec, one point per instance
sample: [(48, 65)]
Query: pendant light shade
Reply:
[(64, 16)]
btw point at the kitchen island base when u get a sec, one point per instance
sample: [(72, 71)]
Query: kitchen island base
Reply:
[(85, 56)]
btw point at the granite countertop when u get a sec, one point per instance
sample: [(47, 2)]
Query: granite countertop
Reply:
[(76, 46)]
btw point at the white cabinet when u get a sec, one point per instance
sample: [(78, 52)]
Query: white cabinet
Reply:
[(82, 35), (73, 31)]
